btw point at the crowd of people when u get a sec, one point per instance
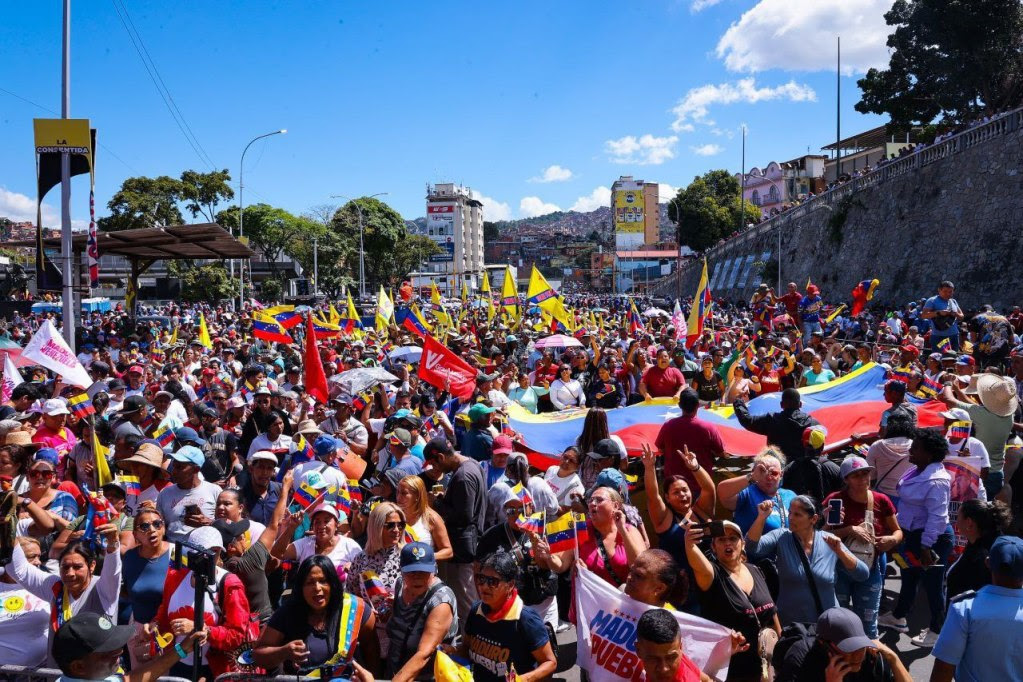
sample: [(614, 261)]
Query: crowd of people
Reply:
[(361, 533)]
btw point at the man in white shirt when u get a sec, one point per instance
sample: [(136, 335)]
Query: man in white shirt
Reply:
[(189, 503)]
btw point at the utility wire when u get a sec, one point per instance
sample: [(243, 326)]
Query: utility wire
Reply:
[(136, 42), (51, 111)]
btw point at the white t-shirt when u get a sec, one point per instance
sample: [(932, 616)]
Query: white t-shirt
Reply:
[(563, 487), (133, 502), (971, 447), (24, 619), (262, 442), (344, 551)]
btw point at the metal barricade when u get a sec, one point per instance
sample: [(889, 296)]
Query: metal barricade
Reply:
[(20, 673)]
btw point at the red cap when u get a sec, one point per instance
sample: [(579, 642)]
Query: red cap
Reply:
[(136, 368), (209, 372), (912, 350), (503, 445)]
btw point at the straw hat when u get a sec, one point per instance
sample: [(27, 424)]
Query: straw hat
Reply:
[(997, 394), (149, 454), (307, 427), (22, 438)]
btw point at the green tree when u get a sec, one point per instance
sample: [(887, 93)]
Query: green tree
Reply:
[(709, 209), (271, 290), (383, 233), (411, 252), (490, 231), (202, 192), (272, 231), (335, 254), (206, 283), (143, 202), (953, 58)]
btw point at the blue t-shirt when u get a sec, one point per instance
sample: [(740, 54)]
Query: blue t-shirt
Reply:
[(937, 303), (746, 508), (143, 586), (810, 309), (494, 647)]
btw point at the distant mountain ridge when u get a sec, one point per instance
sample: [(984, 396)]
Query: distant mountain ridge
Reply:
[(576, 223)]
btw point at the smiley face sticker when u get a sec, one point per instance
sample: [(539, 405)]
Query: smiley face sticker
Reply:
[(14, 604)]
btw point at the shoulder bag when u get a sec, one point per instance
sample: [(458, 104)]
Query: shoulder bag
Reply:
[(861, 549), (809, 573)]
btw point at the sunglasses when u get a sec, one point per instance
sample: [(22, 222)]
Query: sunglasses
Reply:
[(149, 525), (394, 525), (487, 580), (39, 473)]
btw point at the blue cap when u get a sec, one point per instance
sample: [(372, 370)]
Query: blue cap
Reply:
[(324, 445), (401, 413), (186, 434), (1006, 557), (47, 455), (418, 557), (615, 480), (189, 454)]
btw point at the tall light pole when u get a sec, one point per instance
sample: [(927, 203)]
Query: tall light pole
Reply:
[(362, 250), (678, 256), (67, 255), (241, 213)]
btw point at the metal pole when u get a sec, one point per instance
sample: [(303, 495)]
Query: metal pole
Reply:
[(779, 258), (362, 250), (68, 291), (316, 267), (678, 256), (742, 192), (838, 111), (241, 213)]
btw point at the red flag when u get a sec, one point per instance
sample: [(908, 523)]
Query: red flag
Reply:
[(315, 379), (439, 366)]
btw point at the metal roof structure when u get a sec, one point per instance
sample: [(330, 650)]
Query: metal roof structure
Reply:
[(203, 241)]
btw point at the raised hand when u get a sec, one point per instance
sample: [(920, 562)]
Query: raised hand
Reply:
[(765, 508), (688, 458), (649, 457)]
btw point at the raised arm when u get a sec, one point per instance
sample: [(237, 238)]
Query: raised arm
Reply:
[(659, 512), (703, 570)]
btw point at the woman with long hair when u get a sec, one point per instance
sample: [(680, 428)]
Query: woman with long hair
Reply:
[(23, 627), (595, 429), (672, 511), (374, 573), (78, 588), (981, 523), (307, 631), (14, 461), (426, 525)]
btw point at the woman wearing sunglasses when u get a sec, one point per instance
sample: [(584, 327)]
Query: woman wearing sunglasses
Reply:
[(42, 476), (145, 568), (374, 573), (500, 632)]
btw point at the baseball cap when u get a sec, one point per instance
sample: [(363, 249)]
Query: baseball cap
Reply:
[(136, 369), (732, 526), (965, 361), (262, 389), (325, 445), (477, 411), (54, 407), (843, 629), (503, 445), (189, 454), (399, 437), (605, 447), (417, 557), (47, 456), (327, 508), (85, 633), (132, 403), (315, 480), (207, 536), (262, 454), (116, 385), (957, 414), (230, 530), (1006, 557), (853, 463), (188, 436), (814, 437)]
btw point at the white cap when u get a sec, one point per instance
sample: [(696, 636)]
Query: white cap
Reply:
[(54, 407), (262, 454), (207, 536), (957, 414)]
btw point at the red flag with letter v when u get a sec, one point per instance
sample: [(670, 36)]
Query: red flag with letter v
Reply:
[(440, 367)]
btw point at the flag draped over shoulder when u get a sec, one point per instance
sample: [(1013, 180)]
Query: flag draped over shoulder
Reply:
[(700, 311)]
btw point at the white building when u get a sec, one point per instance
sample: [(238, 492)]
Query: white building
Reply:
[(454, 220)]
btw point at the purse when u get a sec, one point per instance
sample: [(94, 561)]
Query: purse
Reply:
[(861, 549)]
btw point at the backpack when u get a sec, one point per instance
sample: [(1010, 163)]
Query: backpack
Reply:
[(792, 634)]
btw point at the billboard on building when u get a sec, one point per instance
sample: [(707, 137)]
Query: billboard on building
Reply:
[(628, 206), (440, 227)]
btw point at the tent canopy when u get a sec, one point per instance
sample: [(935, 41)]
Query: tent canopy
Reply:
[(204, 241)]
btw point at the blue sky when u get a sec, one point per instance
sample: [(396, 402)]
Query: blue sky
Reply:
[(535, 106)]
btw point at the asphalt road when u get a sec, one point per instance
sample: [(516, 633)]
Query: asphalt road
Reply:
[(919, 661)]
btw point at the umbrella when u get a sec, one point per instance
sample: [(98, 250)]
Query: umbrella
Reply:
[(405, 354), (361, 379), (656, 312), (558, 341)]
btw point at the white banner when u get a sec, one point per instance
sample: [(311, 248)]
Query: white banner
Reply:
[(606, 633), (966, 485), (47, 348), (12, 377)]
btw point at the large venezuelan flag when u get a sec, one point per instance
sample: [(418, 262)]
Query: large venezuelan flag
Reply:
[(848, 405)]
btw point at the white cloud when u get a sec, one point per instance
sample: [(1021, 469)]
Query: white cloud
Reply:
[(644, 150), (601, 196), (799, 35), (707, 149), (531, 207), (493, 209), (696, 104), (553, 173), (21, 208), (666, 192), (700, 5)]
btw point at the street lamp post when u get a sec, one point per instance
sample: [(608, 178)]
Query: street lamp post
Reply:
[(241, 213), (362, 250), (678, 256)]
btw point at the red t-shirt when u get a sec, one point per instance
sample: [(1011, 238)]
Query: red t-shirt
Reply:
[(791, 301), (855, 511), (663, 383), (702, 438)]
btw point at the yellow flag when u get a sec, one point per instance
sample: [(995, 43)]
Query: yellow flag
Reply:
[(335, 317), (490, 308), (540, 293), (465, 292), (204, 333), (422, 318), (174, 336), (352, 313), (100, 452), (485, 287), (438, 308), (385, 310), (510, 294)]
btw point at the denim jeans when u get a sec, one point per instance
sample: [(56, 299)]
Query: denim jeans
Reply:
[(932, 577), (862, 598), (809, 328)]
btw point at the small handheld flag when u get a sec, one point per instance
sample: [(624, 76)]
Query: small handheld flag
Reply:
[(164, 436), (959, 430), (373, 585), (81, 406), (530, 524), (305, 495), (522, 493), (131, 485)]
